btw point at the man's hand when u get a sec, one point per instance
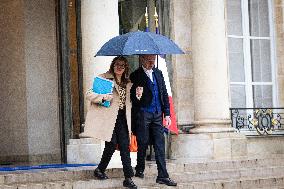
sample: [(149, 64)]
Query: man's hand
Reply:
[(168, 121), (139, 92)]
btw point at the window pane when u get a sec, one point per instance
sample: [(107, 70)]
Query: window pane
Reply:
[(238, 96), (236, 60), (258, 18), (262, 96), (260, 60), (234, 13)]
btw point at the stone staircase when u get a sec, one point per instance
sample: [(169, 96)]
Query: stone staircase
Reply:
[(226, 174)]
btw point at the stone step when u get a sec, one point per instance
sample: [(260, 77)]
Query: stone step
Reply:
[(236, 168), (229, 174), (203, 165), (244, 183), (175, 166), (45, 176), (180, 177), (149, 183)]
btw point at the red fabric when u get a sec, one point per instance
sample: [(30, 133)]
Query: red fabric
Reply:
[(173, 127), (133, 147)]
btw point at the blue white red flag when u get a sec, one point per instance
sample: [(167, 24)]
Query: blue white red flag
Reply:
[(162, 65)]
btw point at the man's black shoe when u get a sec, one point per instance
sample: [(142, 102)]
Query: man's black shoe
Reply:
[(139, 174), (100, 175), (166, 181), (129, 183)]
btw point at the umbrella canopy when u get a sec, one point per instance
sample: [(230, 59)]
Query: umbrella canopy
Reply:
[(139, 42)]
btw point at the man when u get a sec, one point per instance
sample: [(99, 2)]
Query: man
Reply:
[(150, 102)]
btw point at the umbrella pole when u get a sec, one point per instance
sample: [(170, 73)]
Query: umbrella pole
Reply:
[(157, 61)]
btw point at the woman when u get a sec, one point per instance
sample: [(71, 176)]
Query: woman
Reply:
[(112, 124)]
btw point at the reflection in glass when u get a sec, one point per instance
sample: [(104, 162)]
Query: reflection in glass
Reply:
[(234, 13), (260, 60), (259, 18), (238, 96), (236, 60), (262, 96)]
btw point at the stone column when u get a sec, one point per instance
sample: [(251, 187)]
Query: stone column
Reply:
[(212, 137), (99, 22), (210, 66), (182, 74)]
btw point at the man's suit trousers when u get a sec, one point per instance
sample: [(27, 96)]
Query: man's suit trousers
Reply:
[(150, 125)]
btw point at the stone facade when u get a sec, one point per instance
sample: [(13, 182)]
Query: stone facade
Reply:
[(279, 37), (200, 83), (182, 66), (207, 142), (29, 94), (199, 78)]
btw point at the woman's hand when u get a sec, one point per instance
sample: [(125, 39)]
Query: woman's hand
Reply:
[(107, 97)]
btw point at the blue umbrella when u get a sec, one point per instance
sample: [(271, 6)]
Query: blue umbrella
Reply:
[(139, 42)]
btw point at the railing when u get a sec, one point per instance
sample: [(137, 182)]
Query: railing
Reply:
[(261, 121)]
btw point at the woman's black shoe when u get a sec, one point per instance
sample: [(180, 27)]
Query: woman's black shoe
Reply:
[(100, 175), (129, 183)]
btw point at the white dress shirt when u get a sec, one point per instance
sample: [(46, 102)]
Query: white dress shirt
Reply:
[(149, 73)]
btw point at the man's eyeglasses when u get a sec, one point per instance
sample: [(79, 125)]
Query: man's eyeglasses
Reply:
[(119, 66)]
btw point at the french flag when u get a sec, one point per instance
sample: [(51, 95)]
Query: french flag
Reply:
[(162, 65)]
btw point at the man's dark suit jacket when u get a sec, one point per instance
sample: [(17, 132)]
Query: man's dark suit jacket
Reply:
[(139, 78)]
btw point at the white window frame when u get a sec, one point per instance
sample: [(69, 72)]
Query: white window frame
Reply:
[(248, 83)]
